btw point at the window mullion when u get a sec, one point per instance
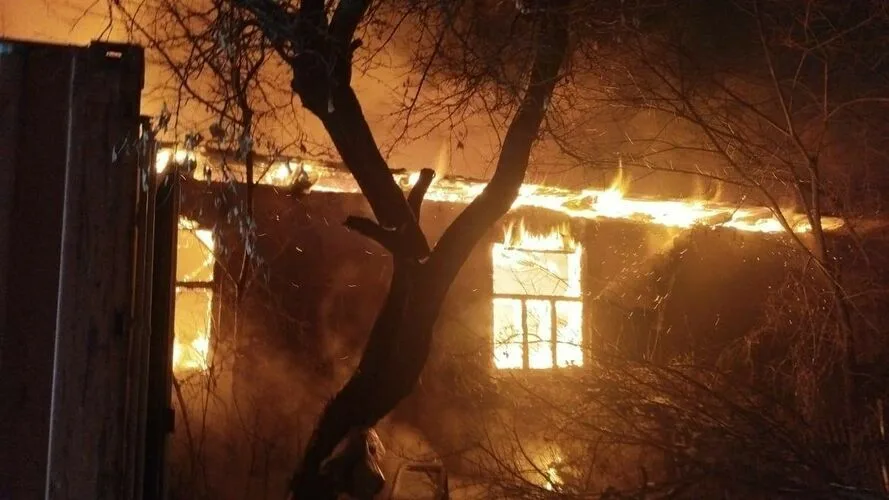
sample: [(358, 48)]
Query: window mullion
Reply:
[(554, 330), (526, 355)]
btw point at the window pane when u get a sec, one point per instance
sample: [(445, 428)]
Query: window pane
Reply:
[(194, 253), (192, 322), (569, 336), (540, 333), (507, 333), (521, 272)]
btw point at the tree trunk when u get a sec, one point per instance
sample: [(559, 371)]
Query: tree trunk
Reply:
[(400, 340)]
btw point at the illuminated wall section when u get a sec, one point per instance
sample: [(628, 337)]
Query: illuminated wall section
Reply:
[(194, 297), (537, 307)]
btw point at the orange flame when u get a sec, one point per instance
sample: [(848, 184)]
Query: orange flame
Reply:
[(609, 203), (194, 304), (559, 238)]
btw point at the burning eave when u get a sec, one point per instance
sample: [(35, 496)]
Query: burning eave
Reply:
[(590, 204)]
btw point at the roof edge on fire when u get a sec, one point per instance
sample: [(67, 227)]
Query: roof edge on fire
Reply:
[(317, 175)]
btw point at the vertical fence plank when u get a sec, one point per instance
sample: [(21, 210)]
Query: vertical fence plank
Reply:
[(11, 67), (91, 435), (35, 129), (160, 422)]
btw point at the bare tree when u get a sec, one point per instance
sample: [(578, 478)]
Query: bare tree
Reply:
[(317, 42), (642, 430), (778, 101), (784, 103)]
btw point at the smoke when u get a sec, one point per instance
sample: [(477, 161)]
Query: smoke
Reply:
[(443, 160)]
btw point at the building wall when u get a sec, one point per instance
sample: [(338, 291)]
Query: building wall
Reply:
[(650, 293)]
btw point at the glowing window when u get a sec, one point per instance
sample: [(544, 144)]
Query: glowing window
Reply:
[(537, 308), (194, 297)]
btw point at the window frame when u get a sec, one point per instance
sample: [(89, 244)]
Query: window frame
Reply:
[(185, 285), (552, 300)]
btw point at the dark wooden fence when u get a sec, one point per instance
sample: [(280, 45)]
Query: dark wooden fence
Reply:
[(78, 353)]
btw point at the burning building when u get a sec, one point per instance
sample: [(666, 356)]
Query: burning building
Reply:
[(568, 275), (274, 298)]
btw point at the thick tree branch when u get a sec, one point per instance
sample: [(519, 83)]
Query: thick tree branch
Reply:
[(321, 78), (495, 201), (351, 134), (346, 17), (418, 192), (321, 63), (311, 13), (386, 238), (277, 24)]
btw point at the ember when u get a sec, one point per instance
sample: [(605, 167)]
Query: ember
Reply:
[(553, 480)]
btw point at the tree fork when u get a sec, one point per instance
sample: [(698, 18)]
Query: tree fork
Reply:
[(360, 403), (420, 280)]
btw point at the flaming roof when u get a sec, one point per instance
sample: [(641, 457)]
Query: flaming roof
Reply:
[(590, 203)]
